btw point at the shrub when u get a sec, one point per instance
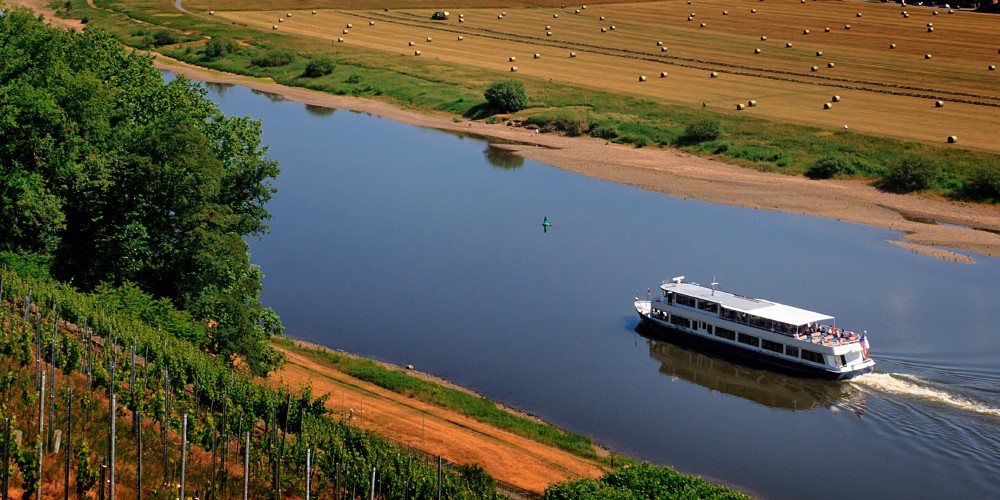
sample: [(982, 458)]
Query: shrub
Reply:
[(910, 173), (706, 129), (319, 67), (984, 183), (219, 47), (273, 59), (827, 167), (507, 95), (165, 37)]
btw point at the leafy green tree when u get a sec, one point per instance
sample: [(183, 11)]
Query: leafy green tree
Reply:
[(273, 58), (827, 167), (220, 46), (508, 96), (116, 177), (319, 67), (706, 129), (165, 37), (910, 173)]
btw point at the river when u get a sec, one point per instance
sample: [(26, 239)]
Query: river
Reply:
[(420, 247)]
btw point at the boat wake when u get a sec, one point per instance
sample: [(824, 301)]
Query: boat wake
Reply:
[(912, 386)]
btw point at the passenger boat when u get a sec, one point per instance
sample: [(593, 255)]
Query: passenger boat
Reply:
[(787, 338)]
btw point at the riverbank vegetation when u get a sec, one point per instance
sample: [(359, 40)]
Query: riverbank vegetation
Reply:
[(966, 174)]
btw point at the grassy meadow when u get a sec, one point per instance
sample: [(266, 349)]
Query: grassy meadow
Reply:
[(800, 71)]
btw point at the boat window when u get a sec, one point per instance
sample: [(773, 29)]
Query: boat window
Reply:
[(772, 346), (843, 360), (748, 340), (725, 333), (684, 300), (709, 327), (705, 305), (680, 321), (813, 356), (792, 351)]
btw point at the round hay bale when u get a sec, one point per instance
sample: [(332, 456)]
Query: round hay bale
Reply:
[(927, 56), (499, 16), (805, 32), (346, 32), (513, 69), (827, 29), (659, 44), (349, 25), (847, 26), (930, 25), (548, 27), (892, 45), (740, 106), (664, 74), (314, 12), (412, 44), (690, 18), (828, 105), (788, 45), (725, 12), (906, 15), (429, 39), (612, 27), (538, 56), (753, 11), (548, 33), (702, 25), (461, 19), (939, 104), (577, 11), (752, 102), (951, 11), (642, 78), (756, 51), (504, 13), (935, 13), (555, 15), (991, 68), (952, 139), (835, 98), (274, 27), (511, 59), (340, 40), (572, 54), (819, 53), (212, 12), (371, 23), (280, 20), (692, 14), (814, 68), (583, 6), (763, 38), (859, 14), (713, 75), (604, 30), (829, 65), (289, 14), (663, 49), (602, 18), (416, 52)]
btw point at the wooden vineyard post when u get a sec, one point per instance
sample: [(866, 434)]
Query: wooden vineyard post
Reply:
[(41, 432), (184, 438), (166, 424), (246, 466), (138, 455), (114, 409), (69, 442), (308, 471), (52, 396)]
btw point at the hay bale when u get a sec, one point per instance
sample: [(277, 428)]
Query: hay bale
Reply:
[(547, 27), (991, 68), (429, 39), (577, 11), (740, 106), (289, 14), (340, 40), (756, 51), (788, 45), (814, 68), (538, 56), (951, 11), (314, 12), (212, 12), (904, 13), (752, 102), (805, 32), (829, 65), (819, 53), (663, 49), (412, 44), (346, 32), (930, 25), (827, 29), (499, 16), (555, 15), (461, 19), (513, 69), (939, 104), (725, 12), (583, 7), (847, 26), (828, 105), (548, 33), (659, 44), (612, 27), (763, 38), (952, 139), (274, 27), (935, 13), (602, 18), (927, 56), (892, 45), (280, 20), (690, 18), (859, 14), (642, 78), (349, 25), (416, 52), (572, 54), (604, 30), (753, 11), (702, 25), (930, 30), (504, 13), (835, 98), (511, 59), (371, 23), (664, 74), (692, 14), (713, 75)]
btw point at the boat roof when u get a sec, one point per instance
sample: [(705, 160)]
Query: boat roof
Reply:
[(757, 307)]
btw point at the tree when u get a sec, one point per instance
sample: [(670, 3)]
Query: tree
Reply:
[(218, 47), (507, 96), (910, 173), (827, 167), (706, 129), (319, 67)]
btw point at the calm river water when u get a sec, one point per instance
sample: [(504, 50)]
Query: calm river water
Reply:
[(421, 247)]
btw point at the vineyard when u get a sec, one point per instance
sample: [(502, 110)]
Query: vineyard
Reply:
[(102, 397)]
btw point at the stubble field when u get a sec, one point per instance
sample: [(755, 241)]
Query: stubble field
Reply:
[(898, 92)]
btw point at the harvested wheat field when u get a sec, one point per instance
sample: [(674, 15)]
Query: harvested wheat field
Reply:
[(790, 57)]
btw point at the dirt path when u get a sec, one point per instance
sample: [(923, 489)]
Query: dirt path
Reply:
[(508, 457)]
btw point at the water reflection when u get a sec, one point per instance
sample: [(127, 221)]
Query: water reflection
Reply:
[(320, 110), (502, 158), (218, 88), (763, 387), (271, 96)]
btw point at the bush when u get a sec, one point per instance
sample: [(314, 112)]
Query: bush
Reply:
[(706, 129), (507, 95), (273, 59), (219, 47), (910, 173), (984, 183), (827, 167), (165, 37), (319, 67)]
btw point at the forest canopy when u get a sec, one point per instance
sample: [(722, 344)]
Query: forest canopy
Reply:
[(111, 176)]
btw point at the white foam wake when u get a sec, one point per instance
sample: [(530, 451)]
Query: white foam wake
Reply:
[(914, 387)]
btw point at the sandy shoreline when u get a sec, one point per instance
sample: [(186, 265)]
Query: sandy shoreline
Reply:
[(927, 226)]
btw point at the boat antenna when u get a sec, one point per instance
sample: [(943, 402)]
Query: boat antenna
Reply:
[(714, 284)]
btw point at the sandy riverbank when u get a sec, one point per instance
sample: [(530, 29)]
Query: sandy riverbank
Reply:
[(928, 226)]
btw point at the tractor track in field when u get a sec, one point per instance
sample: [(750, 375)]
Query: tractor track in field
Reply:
[(415, 21)]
